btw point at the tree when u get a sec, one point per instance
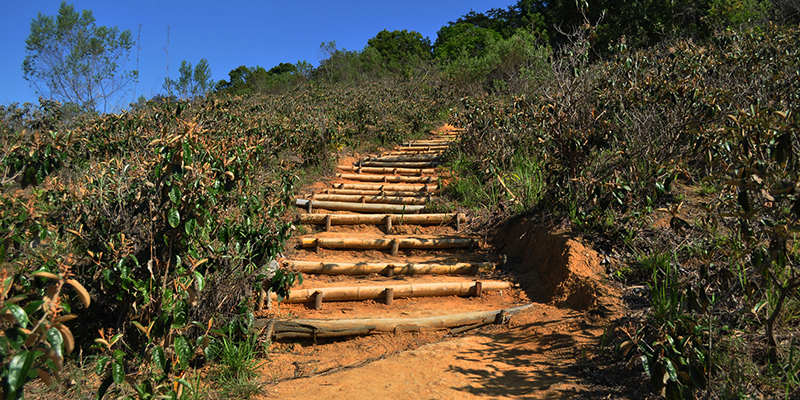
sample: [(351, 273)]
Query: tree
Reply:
[(401, 48), (463, 39), (69, 57), (191, 82)]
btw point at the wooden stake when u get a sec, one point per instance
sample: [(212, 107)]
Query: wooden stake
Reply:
[(478, 289), (327, 222), (388, 296), (318, 297), (395, 244)]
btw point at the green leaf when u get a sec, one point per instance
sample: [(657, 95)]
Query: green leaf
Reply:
[(118, 373), (18, 313), (184, 351), (18, 369), (173, 217), (201, 282), (175, 195), (101, 364), (55, 339), (159, 358), (673, 375), (190, 226)]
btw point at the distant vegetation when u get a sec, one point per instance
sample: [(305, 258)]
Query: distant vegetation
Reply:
[(605, 116)]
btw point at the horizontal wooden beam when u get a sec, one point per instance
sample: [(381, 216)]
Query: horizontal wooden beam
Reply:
[(390, 269), (393, 243), (378, 219), (378, 192), (330, 328), (387, 178), (407, 188), (399, 164), (387, 170), (351, 198), (349, 293), (359, 207)]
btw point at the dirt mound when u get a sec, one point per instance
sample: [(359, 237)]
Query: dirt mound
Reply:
[(552, 266)]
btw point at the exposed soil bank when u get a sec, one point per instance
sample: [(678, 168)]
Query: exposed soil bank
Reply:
[(553, 266)]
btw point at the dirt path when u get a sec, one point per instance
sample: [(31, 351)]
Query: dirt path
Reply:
[(534, 354)]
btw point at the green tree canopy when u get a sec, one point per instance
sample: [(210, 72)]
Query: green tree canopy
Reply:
[(463, 38), (70, 58), (398, 48), (192, 82)]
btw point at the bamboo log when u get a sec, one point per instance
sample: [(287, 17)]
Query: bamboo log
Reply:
[(408, 152), (321, 328), (386, 243), (406, 188), (349, 293), (410, 269), (370, 199), (378, 192), (410, 157), (399, 164), (387, 178), (378, 219), (429, 142), (386, 170), (358, 207)]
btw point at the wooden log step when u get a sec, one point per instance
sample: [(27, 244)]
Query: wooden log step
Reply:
[(390, 269), (444, 142), (387, 178), (410, 157), (370, 199), (361, 192), (392, 243), (349, 293), (410, 148), (359, 207), (399, 164), (330, 328), (397, 219), (402, 188), (385, 170), (401, 152)]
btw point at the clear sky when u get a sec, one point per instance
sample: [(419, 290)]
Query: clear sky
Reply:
[(227, 33)]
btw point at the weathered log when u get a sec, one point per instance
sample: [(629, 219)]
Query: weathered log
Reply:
[(370, 199), (409, 157), (386, 170), (359, 207), (404, 188), (379, 219), (366, 268), (321, 328), (378, 192), (350, 293), (399, 164), (400, 153), (386, 243), (387, 178)]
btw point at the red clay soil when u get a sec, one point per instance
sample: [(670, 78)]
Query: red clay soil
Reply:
[(536, 355)]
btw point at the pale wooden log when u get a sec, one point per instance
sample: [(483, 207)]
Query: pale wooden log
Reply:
[(387, 178), (366, 268), (377, 192), (350, 293), (370, 199), (429, 142), (402, 153), (398, 219), (409, 157), (321, 328), (404, 188), (358, 207), (387, 170), (399, 164), (386, 243)]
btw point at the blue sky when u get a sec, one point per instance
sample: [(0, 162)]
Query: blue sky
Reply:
[(227, 33)]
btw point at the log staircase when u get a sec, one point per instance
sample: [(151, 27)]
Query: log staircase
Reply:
[(373, 222)]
